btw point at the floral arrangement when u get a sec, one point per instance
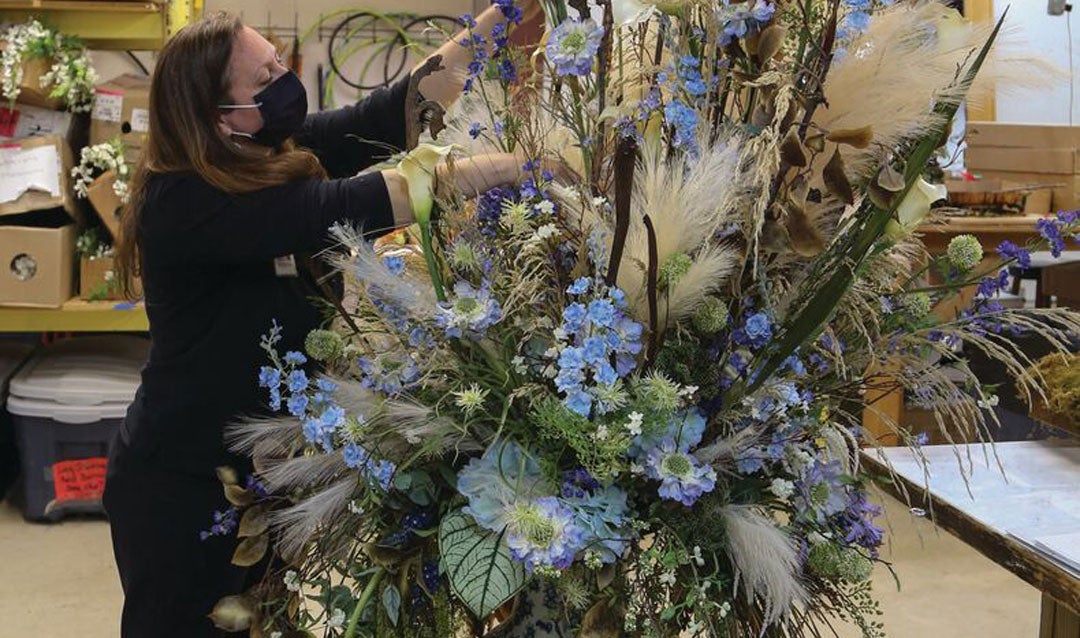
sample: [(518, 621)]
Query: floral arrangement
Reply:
[(71, 75), (100, 158), (632, 404)]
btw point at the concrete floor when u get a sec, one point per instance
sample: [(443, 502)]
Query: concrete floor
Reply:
[(59, 580)]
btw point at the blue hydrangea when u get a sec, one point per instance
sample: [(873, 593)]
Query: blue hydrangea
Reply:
[(603, 513), (471, 312), (685, 428), (682, 477), (573, 46)]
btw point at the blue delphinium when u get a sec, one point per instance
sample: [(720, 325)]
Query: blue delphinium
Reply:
[(225, 523), (470, 313), (573, 46), (857, 523), (684, 120), (1009, 251), (594, 332), (381, 472), (319, 430)]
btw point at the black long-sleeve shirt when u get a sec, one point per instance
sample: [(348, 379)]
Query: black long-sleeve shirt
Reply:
[(211, 288)]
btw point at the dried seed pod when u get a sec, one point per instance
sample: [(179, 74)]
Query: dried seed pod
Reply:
[(815, 142), (836, 179), (879, 196), (890, 179), (798, 189), (791, 149), (227, 475), (856, 137), (239, 496), (770, 42), (254, 521), (233, 613), (762, 115), (251, 550), (805, 238)]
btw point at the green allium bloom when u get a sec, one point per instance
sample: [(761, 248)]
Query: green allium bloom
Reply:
[(964, 252)]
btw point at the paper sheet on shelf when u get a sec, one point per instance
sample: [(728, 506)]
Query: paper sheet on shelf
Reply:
[(30, 168)]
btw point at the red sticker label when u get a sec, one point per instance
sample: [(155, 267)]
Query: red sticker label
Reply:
[(8, 121), (80, 479)]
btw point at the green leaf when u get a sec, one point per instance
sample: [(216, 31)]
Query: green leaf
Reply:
[(478, 564), (391, 600)]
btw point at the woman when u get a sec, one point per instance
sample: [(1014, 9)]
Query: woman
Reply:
[(221, 198)]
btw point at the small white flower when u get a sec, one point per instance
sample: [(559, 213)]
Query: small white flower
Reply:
[(601, 433), (547, 231), (687, 391), (782, 488), (637, 468), (550, 372), (276, 634), (519, 364), (337, 618), (292, 580), (560, 334), (698, 559), (991, 401), (546, 207), (354, 508), (667, 578), (599, 202), (633, 426)]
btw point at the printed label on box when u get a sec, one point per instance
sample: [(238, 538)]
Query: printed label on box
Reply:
[(108, 106), (24, 169), (8, 121), (80, 479), (140, 120)]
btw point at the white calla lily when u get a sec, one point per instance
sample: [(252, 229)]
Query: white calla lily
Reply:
[(629, 13), (914, 207), (418, 169)]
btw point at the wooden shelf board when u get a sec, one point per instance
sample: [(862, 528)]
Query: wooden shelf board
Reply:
[(76, 315), (137, 25)]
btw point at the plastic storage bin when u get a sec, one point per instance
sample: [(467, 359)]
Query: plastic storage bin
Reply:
[(12, 355), (66, 404)]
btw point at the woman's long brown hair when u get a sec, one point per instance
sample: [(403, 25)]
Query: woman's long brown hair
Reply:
[(190, 81)]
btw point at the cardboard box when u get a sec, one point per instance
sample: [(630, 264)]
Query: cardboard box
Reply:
[(1065, 189), (1022, 135), (37, 259), (1053, 161), (31, 92), (24, 120), (106, 203), (122, 109), (1000, 196), (35, 174), (98, 281)]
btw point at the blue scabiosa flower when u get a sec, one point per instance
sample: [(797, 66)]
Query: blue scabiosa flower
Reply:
[(493, 483), (685, 428), (740, 20), (390, 373), (470, 313), (820, 492), (543, 533), (573, 46), (682, 478)]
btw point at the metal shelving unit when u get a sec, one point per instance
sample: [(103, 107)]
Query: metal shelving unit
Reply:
[(76, 316)]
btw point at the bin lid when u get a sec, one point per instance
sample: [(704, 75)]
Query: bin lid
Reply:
[(85, 371), (12, 355), (78, 414)]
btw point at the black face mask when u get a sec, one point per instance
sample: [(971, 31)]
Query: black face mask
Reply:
[(283, 106)]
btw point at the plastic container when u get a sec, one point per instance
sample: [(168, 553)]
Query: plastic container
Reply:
[(12, 355), (67, 403)]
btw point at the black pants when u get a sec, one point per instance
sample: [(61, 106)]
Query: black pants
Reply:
[(171, 578)]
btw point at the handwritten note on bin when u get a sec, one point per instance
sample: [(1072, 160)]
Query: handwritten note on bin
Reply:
[(23, 169), (80, 479)]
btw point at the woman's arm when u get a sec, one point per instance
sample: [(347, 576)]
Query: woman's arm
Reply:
[(446, 86), (470, 176)]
